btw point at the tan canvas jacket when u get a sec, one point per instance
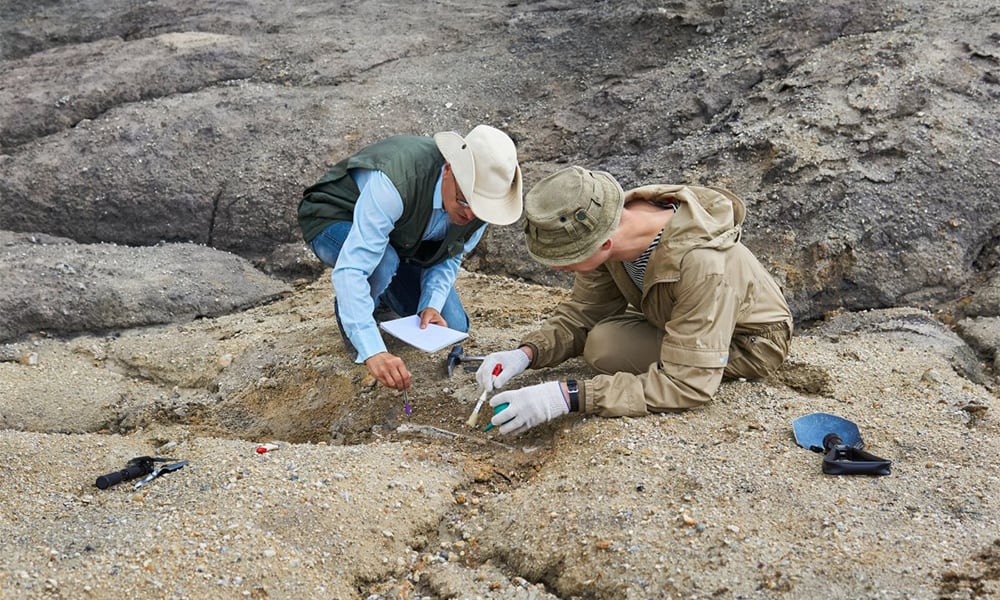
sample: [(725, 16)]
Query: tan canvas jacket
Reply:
[(701, 287)]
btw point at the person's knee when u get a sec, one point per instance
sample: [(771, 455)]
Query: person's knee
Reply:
[(615, 346), (323, 252), (600, 364), (328, 243), (462, 324), (599, 352), (456, 317), (756, 359)]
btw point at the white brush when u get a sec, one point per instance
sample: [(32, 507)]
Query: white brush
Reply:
[(475, 412), (479, 404)]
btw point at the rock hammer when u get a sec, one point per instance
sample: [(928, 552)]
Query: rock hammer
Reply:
[(457, 356)]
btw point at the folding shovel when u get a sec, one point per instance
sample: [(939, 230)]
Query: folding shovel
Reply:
[(840, 441)]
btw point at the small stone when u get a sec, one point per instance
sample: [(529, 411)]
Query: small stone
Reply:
[(165, 448), (9, 353), (931, 376)]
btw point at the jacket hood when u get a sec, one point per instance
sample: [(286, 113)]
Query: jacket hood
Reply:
[(707, 217)]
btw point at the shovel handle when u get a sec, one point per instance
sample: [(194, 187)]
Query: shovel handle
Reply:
[(848, 460), (130, 472)]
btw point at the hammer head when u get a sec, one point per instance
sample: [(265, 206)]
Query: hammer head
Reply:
[(454, 357), (457, 356)]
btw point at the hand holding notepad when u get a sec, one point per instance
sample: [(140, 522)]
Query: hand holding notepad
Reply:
[(430, 339)]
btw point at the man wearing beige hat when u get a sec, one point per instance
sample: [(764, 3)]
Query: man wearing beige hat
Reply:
[(394, 221), (667, 301)]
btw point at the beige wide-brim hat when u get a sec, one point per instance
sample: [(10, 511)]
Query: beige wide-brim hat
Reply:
[(485, 167), (570, 213)]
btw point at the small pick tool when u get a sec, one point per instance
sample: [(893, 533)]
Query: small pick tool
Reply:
[(840, 442), (482, 398)]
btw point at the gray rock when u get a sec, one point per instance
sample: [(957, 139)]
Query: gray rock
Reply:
[(912, 328), (985, 299), (65, 289), (868, 180), (9, 353), (983, 335), (291, 260)]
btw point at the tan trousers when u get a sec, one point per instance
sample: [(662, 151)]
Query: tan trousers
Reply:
[(628, 343)]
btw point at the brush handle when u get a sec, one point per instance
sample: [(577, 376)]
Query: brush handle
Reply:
[(475, 412)]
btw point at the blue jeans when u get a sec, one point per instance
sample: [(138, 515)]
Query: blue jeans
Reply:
[(395, 283)]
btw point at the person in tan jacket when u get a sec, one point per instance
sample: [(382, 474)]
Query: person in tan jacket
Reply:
[(666, 302)]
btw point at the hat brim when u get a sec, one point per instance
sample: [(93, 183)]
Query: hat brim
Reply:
[(498, 211)]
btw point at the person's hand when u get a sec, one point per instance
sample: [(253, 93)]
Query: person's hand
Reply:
[(513, 362), (528, 407), (431, 315), (389, 370)]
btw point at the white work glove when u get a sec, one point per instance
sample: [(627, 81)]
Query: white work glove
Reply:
[(528, 407), (513, 363)]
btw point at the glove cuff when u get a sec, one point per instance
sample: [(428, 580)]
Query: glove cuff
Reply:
[(553, 399)]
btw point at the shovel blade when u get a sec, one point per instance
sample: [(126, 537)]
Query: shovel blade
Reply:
[(811, 429)]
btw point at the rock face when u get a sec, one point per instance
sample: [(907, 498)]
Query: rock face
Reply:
[(863, 136), (66, 288)]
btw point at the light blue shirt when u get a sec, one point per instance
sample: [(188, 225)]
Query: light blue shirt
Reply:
[(367, 261)]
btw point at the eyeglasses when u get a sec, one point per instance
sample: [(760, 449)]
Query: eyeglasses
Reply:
[(459, 196)]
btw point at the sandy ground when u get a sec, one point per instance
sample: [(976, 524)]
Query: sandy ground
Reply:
[(361, 501)]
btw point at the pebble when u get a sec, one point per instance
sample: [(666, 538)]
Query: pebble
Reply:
[(9, 353)]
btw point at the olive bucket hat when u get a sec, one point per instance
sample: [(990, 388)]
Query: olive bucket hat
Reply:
[(570, 213), (486, 170)]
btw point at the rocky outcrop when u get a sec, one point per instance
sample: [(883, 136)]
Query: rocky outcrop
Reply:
[(68, 288), (862, 136)]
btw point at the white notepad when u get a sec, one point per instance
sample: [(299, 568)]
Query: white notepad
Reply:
[(432, 339)]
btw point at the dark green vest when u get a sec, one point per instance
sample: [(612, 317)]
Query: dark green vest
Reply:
[(413, 164)]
